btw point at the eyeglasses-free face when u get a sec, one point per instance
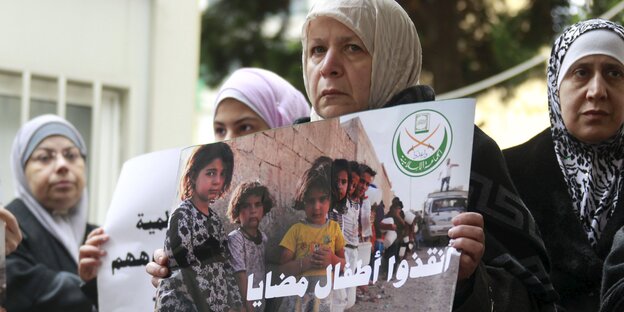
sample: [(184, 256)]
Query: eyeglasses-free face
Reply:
[(338, 68), (316, 204), (592, 98)]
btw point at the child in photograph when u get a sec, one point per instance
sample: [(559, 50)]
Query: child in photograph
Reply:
[(314, 243), (347, 217), (250, 202), (341, 178), (201, 276)]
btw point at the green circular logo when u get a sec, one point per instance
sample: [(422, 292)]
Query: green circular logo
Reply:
[(421, 141)]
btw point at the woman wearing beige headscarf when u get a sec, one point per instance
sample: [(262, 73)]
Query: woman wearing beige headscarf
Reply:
[(389, 64), (365, 54)]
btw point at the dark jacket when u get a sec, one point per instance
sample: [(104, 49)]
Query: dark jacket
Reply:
[(612, 293), (576, 267), (41, 275)]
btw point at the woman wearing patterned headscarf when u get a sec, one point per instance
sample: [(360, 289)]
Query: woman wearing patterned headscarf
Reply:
[(571, 175), (366, 54), (48, 162), (254, 99)]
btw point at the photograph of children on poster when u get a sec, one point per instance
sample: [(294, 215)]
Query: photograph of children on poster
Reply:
[(335, 215)]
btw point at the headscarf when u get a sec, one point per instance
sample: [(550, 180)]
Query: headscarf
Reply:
[(388, 34), (592, 172), (270, 96), (68, 229)]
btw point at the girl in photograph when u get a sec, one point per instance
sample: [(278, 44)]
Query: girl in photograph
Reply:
[(201, 278), (314, 243), (250, 202)]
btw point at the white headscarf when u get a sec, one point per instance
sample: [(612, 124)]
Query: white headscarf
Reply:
[(387, 33), (68, 229)]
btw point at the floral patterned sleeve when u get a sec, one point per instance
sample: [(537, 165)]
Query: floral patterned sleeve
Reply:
[(234, 297), (180, 237), (237, 251)]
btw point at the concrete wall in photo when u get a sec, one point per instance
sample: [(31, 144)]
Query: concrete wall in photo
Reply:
[(277, 158)]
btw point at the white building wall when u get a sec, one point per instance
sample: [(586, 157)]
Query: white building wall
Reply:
[(143, 52)]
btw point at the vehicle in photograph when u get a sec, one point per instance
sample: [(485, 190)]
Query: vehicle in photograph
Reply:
[(438, 211)]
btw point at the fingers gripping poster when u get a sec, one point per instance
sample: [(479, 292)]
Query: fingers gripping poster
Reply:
[(344, 214)]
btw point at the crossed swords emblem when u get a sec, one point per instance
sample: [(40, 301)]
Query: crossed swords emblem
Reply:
[(423, 142)]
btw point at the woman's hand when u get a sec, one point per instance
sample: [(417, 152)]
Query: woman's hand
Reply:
[(90, 253), (468, 237), (158, 268), (13, 233)]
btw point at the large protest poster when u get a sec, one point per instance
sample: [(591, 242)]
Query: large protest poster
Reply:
[(136, 222), (421, 154)]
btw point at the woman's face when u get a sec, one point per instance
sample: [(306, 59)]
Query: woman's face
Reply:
[(234, 119), (251, 212), (342, 182), (316, 204), (592, 98), (55, 173), (210, 181), (338, 68)]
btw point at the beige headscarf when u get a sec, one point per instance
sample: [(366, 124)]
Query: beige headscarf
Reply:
[(387, 33)]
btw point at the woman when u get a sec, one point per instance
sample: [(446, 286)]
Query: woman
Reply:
[(254, 99), (358, 57), (574, 184), (48, 162), (365, 56)]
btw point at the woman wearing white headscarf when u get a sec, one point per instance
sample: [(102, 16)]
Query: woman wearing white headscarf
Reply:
[(394, 49), (365, 54), (48, 163), (575, 182)]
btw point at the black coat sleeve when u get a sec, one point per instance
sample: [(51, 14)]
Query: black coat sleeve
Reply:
[(513, 274), (612, 293), (32, 286)]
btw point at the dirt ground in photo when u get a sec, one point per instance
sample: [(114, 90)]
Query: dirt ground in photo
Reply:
[(432, 293)]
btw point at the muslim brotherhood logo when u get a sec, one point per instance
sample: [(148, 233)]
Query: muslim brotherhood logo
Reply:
[(421, 141)]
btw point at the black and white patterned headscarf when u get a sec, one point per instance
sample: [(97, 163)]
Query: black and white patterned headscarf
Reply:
[(592, 172)]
